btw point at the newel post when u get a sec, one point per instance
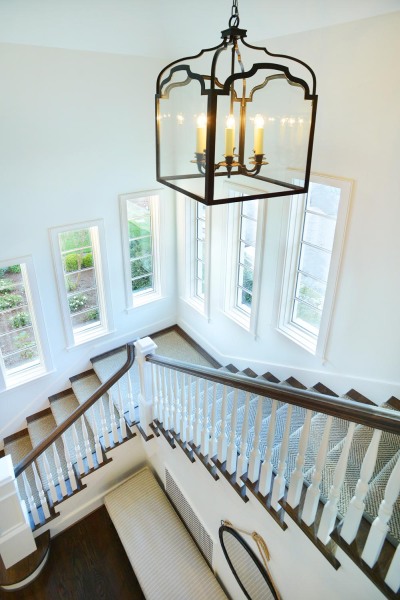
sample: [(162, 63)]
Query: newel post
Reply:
[(143, 348), (16, 537)]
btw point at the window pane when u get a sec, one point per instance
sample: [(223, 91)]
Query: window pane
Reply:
[(319, 231), (71, 240), (201, 229), (22, 359), (245, 278), (250, 208), (200, 270), (307, 317), (200, 288), (80, 281), (247, 255), (140, 227), (323, 199), (310, 290), (141, 266), (315, 262), (140, 247), (201, 211), (244, 300), (142, 283), (80, 302), (248, 231)]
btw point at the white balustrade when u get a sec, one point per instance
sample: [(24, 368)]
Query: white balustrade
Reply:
[(114, 428), (392, 578), (231, 458), (122, 422), (330, 511), (88, 450), (166, 411), (197, 416), (297, 477), (177, 412), (42, 495), (205, 434), (70, 468), (189, 420), (97, 445), (183, 409), (104, 426), (77, 448), (156, 393), (222, 441), (213, 438), (356, 507), (242, 460), (264, 485), (379, 527), (31, 500), (278, 489), (255, 456), (49, 476)]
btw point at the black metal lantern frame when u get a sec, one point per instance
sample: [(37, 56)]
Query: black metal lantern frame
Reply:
[(274, 107)]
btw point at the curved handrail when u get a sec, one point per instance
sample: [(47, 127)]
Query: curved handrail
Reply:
[(54, 435), (364, 414)]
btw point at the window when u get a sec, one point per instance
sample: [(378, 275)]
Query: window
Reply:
[(23, 349), (81, 278), (196, 249), (199, 251), (244, 257), (315, 237), (140, 226)]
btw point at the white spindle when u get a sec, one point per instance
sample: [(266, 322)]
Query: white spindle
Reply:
[(189, 419), (166, 414), (379, 527), (392, 578), (114, 429), (255, 456), (297, 477), (60, 474), (356, 507), (213, 439), (97, 445), (205, 434), (329, 513), (122, 422), (278, 489), (156, 393), (88, 450), (77, 448), (222, 441), (70, 468), (242, 460), (31, 500), (177, 413), (231, 459), (183, 424), (52, 487), (264, 485), (197, 416), (42, 495), (314, 492), (104, 426), (131, 403)]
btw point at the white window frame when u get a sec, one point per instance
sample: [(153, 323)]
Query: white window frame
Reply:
[(45, 366), (245, 320), (105, 325), (315, 344), (133, 300), (201, 305)]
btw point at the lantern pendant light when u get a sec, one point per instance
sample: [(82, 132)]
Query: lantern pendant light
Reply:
[(231, 118)]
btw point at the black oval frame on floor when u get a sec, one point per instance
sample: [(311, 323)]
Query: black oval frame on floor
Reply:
[(254, 558)]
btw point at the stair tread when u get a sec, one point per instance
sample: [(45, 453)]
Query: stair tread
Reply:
[(18, 449)]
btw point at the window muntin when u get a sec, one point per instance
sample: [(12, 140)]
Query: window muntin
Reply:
[(141, 253), (199, 251)]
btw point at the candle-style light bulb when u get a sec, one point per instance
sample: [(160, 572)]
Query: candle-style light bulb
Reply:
[(258, 134), (201, 133), (230, 135)]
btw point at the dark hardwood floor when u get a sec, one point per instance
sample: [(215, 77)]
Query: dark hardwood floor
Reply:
[(87, 561)]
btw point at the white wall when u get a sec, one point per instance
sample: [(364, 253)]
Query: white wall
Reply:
[(76, 130), (358, 119)]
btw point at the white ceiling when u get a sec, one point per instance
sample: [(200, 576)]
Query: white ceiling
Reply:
[(172, 28)]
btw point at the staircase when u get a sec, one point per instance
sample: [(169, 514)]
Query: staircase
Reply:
[(335, 471)]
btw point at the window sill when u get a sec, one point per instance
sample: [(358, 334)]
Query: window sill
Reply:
[(240, 318), (82, 341), (299, 337), (144, 298), (197, 305), (24, 378)]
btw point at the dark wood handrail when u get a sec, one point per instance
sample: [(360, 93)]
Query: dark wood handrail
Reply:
[(364, 414), (56, 433)]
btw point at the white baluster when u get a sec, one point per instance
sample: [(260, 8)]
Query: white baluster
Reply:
[(213, 439), (156, 393), (122, 422), (97, 445), (379, 527), (264, 485), (52, 487), (60, 474), (42, 495), (222, 441), (255, 456), (313, 492), (114, 429), (297, 477), (329, 513), (356, 507), (166, 399), (392, 578), (231, 458), (177, 414), (131, 403), (197, 416), (242, 460), (189, 421), (183, 409), (77, 448), (278, 489), (205, 434), (70, 468), (104, 426), (31, 501), (88, 450), (171, 395)]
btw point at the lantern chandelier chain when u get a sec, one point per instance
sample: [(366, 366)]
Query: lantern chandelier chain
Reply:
[(234, 20)]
